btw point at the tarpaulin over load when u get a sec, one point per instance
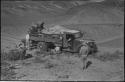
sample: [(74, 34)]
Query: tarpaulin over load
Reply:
[(58, 30)]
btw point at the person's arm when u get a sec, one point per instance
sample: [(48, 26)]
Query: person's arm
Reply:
[(69, 39)]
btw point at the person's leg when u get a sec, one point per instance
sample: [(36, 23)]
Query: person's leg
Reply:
[(84, 60), (23, 54)]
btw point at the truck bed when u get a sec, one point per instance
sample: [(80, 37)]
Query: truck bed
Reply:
[(46, 38)]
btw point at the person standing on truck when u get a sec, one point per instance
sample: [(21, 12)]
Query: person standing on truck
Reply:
[(40, 27), (33, 29)]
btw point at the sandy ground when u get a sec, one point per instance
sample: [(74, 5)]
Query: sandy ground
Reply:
[(69, 68)]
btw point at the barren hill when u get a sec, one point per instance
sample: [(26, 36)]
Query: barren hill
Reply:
[(16, 17), (96, 14)]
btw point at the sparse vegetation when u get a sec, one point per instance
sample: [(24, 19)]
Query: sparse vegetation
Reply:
[(107, 56), (7, 72), (13, 55), (39, 59), (49, 65)]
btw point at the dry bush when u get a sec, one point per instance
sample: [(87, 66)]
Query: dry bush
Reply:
[(107, 56), (13, 55), (7, 73), (7, 70)]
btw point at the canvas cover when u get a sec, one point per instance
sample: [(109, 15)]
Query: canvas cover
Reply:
[(57, 29)]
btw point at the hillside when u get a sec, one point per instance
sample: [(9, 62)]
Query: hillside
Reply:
[(99, 32), (16, 17), (96, 14)]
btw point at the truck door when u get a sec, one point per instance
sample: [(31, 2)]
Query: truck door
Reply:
[(68, 40), (65, 42)]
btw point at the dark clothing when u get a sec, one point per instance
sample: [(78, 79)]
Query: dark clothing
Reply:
[(36, 29), (40, 27), (70, 38), (33, 30)]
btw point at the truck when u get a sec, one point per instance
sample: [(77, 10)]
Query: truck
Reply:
[(58, 36)]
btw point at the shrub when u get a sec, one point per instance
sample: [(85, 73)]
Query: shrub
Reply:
[(13, 55), (6, 72), (107, 56)]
